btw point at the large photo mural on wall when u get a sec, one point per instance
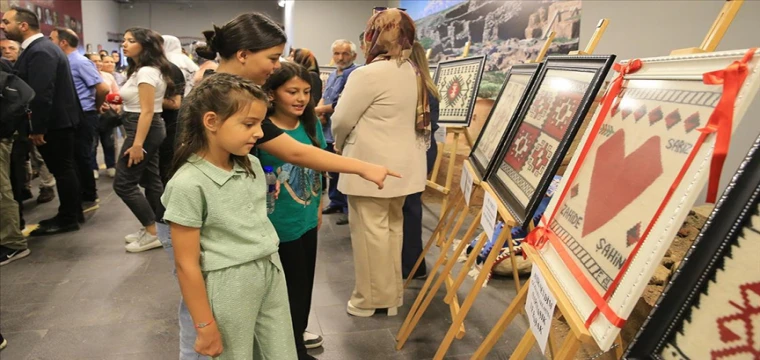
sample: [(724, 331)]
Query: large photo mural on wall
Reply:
[(52, 13), (508, 32)]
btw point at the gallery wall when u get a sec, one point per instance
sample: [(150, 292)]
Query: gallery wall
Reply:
[(100, 18), (52, 13), (187, 20), (654, 28), (316, 24)]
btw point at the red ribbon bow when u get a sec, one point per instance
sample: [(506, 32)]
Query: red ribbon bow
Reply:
[(721, 120)]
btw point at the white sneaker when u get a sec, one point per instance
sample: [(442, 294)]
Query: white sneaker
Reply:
[(134, 236), (111, 172), (312, 341), (144, 243), (96, 174)]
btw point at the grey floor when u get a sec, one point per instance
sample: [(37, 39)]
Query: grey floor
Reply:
[(81, 296)]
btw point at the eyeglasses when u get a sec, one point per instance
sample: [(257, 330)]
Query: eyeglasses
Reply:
[(383, 8)]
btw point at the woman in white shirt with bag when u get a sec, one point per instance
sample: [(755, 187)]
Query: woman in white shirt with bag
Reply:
[(148, 80)]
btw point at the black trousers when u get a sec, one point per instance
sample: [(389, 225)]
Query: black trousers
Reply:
[(58, 153), (166, 151), (412, 245), (299, 258), (86, 133)]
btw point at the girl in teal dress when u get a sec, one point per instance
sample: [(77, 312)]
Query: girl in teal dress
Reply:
[(297, 216)]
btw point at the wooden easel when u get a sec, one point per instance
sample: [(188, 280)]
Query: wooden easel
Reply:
[(717, 31), (427, 293), (601, 27), (579, 332), (445, 189)]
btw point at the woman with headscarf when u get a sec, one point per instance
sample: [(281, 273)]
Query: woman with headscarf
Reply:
[(383, 118), (173, 51), (306, 58)]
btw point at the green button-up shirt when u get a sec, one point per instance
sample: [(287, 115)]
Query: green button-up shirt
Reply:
[(228, 206)]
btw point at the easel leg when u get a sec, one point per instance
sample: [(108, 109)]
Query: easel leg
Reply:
[(619, 348), (569, 348), (526, 343), (515, 274), (433, 271), (506, 318), (470, 300), (441, 224), (466, 267), (415, 314), (450, 170)]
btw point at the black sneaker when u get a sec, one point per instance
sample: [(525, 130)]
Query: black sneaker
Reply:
[(8, 256), (312, 341)]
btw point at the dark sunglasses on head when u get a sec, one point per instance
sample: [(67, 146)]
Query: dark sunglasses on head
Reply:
[(383, 8)]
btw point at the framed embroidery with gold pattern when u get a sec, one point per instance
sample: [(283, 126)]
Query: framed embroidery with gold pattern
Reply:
[(324, 73), (458, 82)]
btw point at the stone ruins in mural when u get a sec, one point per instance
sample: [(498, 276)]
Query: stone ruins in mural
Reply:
[(509, 32)]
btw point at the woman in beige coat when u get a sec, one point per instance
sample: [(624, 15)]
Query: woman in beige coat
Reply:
[(382, 120)]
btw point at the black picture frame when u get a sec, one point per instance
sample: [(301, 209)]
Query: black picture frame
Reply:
[(324, 73), (598, 66), (714, 243), (433, 69), (485, 168), (480, 61)]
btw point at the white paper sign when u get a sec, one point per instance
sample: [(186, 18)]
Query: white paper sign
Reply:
[(465, 182), (490, 213), (540, 307)]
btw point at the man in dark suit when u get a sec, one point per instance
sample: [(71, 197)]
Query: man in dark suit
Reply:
[(55, 113)]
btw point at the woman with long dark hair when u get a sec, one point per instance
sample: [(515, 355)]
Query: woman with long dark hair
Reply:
[(148, 81)]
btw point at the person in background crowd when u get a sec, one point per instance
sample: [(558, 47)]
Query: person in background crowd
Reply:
[(91, 91), (109, 66), (205, 65), (344, 55), (306, 58), (103, 53), (412, 244), (173, 50), (104, 134), (10, 50), (11, 239), (55, 114), (171, 105), (120, 66), (148, 82), (391, 111), (297, 215)]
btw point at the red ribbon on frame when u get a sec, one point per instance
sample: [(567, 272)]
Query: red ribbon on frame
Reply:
[(721, 120), (542, 233)]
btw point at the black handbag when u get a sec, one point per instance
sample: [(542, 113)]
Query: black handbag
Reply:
[(109, 119)]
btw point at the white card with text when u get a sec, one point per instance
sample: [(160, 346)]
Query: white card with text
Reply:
[(540, 307), (490, 213), (465, 182)]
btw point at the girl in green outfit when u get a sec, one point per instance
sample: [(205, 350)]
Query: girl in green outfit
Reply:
[(225, 248), (297, 216)]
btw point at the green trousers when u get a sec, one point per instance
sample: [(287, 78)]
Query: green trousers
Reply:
[(10, 234), (250, 306)]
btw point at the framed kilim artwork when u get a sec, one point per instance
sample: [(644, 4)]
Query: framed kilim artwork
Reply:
[(324, 73), (711, 308), (540, 136), (458, 82), (519, 79), (638, 171)]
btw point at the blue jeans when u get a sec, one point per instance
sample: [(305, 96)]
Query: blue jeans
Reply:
[(187, 332)]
